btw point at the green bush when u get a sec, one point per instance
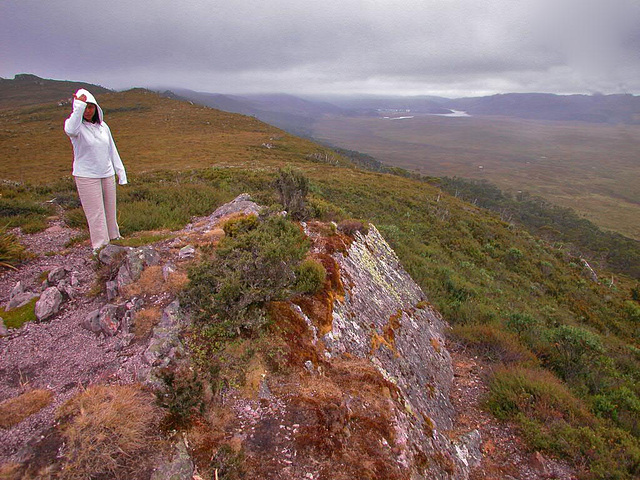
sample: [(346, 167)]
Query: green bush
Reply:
[(520, 323), (240, 225), (182, 397), (231, 285), (310, 276), (576, 350), (632, 309), (513, 257)]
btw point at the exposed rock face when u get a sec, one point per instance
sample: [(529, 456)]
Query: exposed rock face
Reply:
[(242, 204), (372, 379), (384, 317), (56, 275), (135, 261)]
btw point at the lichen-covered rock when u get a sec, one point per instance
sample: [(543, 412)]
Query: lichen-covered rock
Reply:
[(186, 252), (111, 289), (55, 275), (48, 304), (20, 300), (109, 318), (242, 204), (135, 261), (92, 321), (167, 270), (179, 468), (377, 313), (110, 253), (165, 340), (468, 448), (17, 289)]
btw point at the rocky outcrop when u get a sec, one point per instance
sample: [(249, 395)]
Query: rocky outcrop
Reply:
[(379, 314), (165, 340), (384, 317)]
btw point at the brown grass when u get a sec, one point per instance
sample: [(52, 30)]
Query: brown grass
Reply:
[(145, 320), (494, 344), (10, 471), (151, 282), (107, 430), (349, 414), (211, 138), (14, 410)]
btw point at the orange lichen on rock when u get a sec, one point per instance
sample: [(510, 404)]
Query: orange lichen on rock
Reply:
[(295, 332), (388, 337), (392, 325)]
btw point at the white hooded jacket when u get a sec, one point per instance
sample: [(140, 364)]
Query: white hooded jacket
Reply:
[(94, 152)]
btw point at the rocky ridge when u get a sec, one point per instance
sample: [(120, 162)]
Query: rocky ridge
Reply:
[(369, 392)]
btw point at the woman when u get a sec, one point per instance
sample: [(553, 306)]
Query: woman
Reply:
[(95, 161)]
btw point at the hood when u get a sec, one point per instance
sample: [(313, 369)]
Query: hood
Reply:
[(91, 99)]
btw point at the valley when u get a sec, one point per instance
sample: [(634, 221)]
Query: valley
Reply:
[(590, 167)]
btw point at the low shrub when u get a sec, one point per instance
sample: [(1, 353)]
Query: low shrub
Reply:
[(239, 225), (108, 431), (310, 276), (230, 287), (182, 397), (575, 350), (536, 393), (520, 323), (74, 218), (292, 188), (352, 226), (494, 344), (553, 420)]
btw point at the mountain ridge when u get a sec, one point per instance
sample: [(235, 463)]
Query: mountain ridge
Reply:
[(561, 347)]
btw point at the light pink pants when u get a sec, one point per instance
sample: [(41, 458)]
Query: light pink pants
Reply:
[(98, 198)]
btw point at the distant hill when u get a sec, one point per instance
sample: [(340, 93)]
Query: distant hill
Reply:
[(26, 89), (297, 114), (288, 112)]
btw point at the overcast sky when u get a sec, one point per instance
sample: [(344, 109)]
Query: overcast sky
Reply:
[(418, 47)]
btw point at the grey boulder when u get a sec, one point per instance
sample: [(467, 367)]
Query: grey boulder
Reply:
[(48, 304)]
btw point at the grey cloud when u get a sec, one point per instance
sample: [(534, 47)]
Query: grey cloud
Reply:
[(404, 46)]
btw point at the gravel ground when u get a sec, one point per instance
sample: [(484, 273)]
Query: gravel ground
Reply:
[(59, 355)]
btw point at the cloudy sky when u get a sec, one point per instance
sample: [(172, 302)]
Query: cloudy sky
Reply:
[(439, 47)]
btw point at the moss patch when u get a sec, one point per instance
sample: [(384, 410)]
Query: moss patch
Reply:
[(19, 316)]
